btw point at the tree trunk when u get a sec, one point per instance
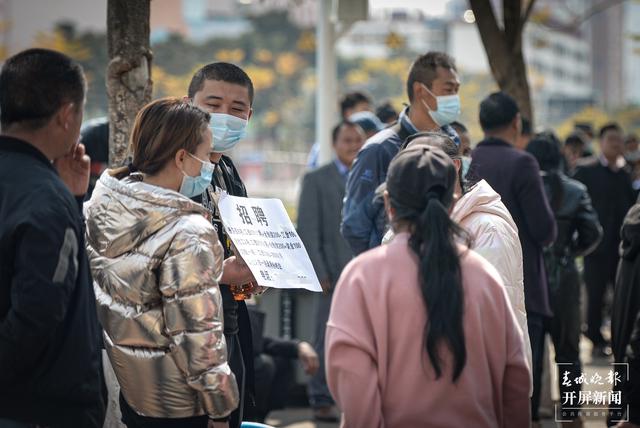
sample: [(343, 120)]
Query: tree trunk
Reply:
[(129, 70), (517, 85), (504, 49)]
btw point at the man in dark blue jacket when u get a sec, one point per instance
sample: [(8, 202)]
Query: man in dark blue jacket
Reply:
[(515, 175), (50, 358), (432, 87)]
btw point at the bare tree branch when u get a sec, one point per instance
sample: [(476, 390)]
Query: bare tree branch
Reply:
[(511, 10), (504, 48), (493, 38), (517, 43), (527, 13), (579, 19), (488, 25), (594, 10)]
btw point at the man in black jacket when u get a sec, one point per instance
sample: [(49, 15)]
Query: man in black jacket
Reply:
[(50, 360), (610, 188), (226, 92), (515, 175), (625, 320), (579, 232)]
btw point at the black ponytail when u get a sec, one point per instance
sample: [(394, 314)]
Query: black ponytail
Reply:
[(433, 239), (556, 190)]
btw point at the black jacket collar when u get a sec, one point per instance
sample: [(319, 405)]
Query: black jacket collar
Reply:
[(492, 141), (15, 145)]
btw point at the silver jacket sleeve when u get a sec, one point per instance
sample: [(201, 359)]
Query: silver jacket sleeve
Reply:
[(192, 308)]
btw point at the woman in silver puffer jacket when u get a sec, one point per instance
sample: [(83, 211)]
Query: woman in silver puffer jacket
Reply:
[(156, 263)]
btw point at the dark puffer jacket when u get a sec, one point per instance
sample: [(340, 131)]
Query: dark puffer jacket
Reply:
[(579, 231), (625, 316)]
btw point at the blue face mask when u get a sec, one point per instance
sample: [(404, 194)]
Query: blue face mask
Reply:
[(227, 131), (448, 109), (466, 163), (194, 186)]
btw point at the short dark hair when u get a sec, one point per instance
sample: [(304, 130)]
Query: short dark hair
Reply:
[(459, 127), (545, 147), (94, 134), (611, 126), (425, 69), (351, 99), (35, 83), (497, 111), (338, 127), (575, 139), (585, 127), (222, 71), (631, 138), (526, 126), (386, 112)]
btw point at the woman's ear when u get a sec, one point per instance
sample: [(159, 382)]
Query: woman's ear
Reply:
[(179, 158)]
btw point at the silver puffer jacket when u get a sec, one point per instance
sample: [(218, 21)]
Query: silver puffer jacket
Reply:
[(156, 262)]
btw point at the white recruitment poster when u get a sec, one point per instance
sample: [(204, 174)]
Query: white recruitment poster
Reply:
[(267, 241)]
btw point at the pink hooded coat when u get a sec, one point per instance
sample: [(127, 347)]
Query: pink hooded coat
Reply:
[(377, 367)]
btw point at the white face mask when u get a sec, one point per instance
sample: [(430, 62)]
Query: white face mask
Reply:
[(448, 108)]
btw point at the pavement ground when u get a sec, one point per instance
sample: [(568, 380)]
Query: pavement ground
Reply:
[(303, 418)]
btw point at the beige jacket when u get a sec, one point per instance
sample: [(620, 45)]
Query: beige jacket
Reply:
[(156, 262), (481, 212)]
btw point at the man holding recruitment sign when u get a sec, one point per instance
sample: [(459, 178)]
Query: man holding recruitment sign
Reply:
[(225, 91), (267, 241)]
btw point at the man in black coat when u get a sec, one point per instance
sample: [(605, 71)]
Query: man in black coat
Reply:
[(625, 320), (226, 92), (50, 339), (609, 186), (515, 175)]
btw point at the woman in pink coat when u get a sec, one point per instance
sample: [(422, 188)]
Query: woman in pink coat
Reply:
[(421, 333)]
